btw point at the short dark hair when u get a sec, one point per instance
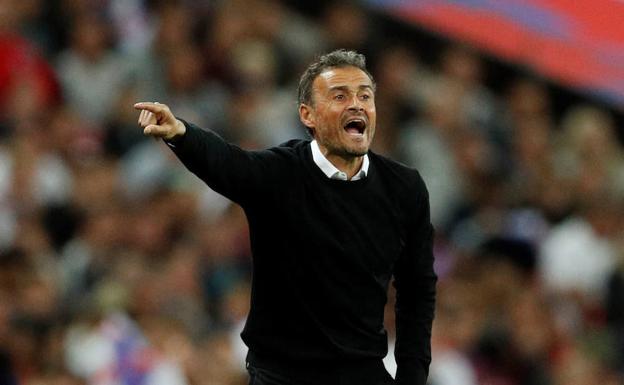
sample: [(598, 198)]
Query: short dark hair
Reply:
[(337, 58)]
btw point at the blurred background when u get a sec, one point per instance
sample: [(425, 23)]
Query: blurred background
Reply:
[(117, 266)]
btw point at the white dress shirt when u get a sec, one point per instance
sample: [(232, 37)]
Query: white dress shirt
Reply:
[(330, 170)]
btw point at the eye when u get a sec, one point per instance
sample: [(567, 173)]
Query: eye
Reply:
[(339, 97), (365, 96)]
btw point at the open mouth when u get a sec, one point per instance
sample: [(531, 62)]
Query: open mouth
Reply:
[(355, 126)]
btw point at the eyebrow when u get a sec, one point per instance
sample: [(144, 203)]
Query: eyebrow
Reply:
[(346, 88)]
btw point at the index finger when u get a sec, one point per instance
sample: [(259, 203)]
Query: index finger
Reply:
[(149, 106)]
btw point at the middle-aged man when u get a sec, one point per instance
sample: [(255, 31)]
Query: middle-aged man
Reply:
[(330, 223)]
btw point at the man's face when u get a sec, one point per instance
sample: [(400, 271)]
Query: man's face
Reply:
[(342, 115)]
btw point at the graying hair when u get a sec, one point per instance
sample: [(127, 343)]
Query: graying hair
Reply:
[(337, 58)]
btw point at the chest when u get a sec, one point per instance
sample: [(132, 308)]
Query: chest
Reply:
[(345, 228)]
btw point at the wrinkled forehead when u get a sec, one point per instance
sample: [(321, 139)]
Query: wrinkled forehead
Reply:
[(351, 77)]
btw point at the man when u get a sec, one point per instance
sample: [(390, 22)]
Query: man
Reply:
[(330, 223)]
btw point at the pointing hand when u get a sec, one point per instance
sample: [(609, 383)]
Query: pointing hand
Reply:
[(158, 121)]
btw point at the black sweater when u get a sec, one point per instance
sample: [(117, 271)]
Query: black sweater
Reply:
[(324, 251)]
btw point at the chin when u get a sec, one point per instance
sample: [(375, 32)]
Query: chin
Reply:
[(359, 151)]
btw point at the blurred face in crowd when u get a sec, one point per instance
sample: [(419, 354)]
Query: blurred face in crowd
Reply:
[(91, 36), (342, 114)]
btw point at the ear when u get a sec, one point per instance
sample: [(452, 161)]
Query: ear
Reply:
[(307, 117)]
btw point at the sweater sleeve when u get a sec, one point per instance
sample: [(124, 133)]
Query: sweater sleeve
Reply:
[(237, 174), (415, 283)]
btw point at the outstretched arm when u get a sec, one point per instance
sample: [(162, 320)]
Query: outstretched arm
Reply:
[(242, 176)]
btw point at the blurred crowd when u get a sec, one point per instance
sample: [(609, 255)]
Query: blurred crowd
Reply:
[(117, 266)]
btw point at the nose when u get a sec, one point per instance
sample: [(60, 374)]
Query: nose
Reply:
[(356, 104)]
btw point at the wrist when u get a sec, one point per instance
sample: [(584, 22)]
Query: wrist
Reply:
[(178, 131)]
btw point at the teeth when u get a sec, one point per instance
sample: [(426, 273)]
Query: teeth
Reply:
[(359, 121), (355, 126)]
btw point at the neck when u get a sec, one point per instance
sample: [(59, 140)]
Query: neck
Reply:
[(349, 164)]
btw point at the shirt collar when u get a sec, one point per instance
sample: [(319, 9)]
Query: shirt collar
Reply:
[(330, 170)]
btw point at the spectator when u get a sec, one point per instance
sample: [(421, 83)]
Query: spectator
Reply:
[(100, 225)]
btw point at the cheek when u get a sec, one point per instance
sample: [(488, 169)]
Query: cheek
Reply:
[(372, 116), (332, 118)]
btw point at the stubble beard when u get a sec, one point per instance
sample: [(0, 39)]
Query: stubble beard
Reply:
[(355, 153), (336, 146), (347, 152)]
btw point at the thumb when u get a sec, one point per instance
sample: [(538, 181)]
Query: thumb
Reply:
[(155, 130)]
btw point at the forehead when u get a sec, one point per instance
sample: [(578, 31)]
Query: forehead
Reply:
[(342, 76)]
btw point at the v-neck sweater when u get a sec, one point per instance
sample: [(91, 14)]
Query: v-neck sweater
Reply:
[(324, 252)]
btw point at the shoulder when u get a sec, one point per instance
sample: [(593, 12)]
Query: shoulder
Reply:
[(294, 143), (287, 149), (399, 175), (283, 158), (405, 187), (293, 148)]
